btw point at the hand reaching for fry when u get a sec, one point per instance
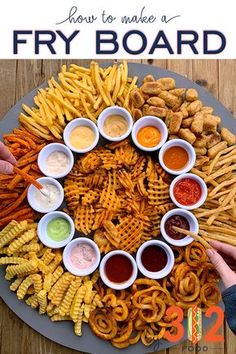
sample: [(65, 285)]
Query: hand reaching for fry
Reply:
[(7, 160), (227, 275)]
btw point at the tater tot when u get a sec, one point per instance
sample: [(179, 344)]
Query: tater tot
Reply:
[(191, 95), (175, 122)]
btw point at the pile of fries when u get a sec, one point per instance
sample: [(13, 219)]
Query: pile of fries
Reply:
[(217, 217), (129, 316), (25, 147), (118, 193), (80, 92), (37, 276)]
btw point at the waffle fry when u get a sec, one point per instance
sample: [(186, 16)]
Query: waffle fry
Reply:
[(120, 193)]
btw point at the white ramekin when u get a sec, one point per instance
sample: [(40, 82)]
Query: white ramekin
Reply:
[(178, 143), (150, 121), (110, 111), (118, 286), (49, 149), (66, 256), (170, 260), (75, 123), (42, 229), (31, 195), (193, 224), (202, 185)]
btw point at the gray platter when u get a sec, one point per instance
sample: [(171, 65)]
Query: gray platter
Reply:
[(62, 332)]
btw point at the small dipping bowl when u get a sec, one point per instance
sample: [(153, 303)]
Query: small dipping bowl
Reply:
[(33, 192), (74, 248), (175, 147), (44, 224), (51, 149), (155, 254), (80, 122), (152, 122), (193, 226), (199, 184), (118, 270), (110, 111)]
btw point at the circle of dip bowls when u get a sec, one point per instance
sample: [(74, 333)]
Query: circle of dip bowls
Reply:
[(43, 234), (33, 202), (115, 110), (49, 149), (154, 122), (68, 263), (178, 143), (170, 259), (193, 226), (203, 190), (114, 285), (76, 123)]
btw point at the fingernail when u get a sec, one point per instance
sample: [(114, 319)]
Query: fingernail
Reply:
[(210, 252)]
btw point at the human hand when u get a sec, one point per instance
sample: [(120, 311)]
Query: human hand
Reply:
[(7, 160), (227, 275)]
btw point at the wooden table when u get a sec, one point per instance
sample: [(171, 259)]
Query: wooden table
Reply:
[(17, 79)]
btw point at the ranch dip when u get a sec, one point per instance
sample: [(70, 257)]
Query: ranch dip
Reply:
[(57, 162), (50, 201)]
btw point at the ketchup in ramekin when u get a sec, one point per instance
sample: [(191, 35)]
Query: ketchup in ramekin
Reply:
[(188, 191)]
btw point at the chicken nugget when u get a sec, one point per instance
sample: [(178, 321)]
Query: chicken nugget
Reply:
[(211, 122), (187, 135), (175, 122), (213, 139), (197, 123), (191, 95)]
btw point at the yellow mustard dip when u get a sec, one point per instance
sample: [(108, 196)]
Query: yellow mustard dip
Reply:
[(82, 137), (115, 125)]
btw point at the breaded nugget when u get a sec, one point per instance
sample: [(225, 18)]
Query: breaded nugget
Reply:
[(191, 95), (186, 134), (137, 98), (213, 139), (194, 107), (175, 122), (197, 123), (156, 111), (178, 91), (200, 151), (186, 123), (151, 88), (201, 141), (156, 101), (206, 109), (211, 122), (148, 78), (166, 83), (170, 100), (227, 136), (137, 113)]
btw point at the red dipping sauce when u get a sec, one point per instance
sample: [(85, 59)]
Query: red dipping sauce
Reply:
[(187, 191), (154, 258), (118, 268)]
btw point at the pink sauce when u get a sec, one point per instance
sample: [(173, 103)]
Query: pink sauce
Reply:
[(83, 256)]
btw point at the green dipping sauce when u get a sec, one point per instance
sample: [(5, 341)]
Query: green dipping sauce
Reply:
[(58, 229)]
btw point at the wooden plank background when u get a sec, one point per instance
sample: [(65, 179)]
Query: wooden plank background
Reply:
[(17, 78)]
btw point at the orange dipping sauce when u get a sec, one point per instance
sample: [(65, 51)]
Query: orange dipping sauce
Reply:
[(149, 136), (175, 158)]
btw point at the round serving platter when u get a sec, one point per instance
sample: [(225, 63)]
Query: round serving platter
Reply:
[(62, 332)]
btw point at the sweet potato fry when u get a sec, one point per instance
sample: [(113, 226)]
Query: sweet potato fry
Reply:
[(28, 178), (14, 205)]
